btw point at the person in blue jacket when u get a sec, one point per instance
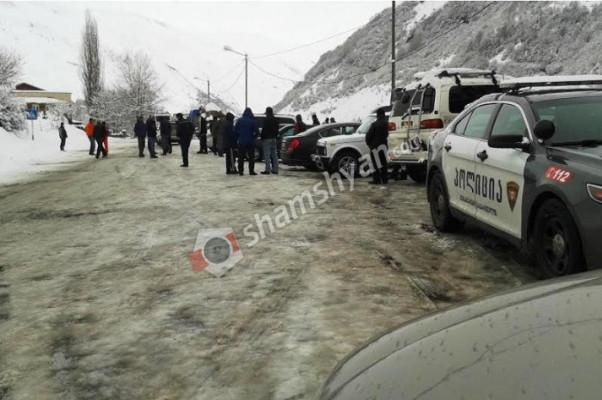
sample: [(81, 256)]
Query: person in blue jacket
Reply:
[(245, 132)]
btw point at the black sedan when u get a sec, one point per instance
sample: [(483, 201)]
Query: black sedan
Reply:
[(297, 150)]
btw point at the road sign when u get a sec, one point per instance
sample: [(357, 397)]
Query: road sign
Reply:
[(32, 114)]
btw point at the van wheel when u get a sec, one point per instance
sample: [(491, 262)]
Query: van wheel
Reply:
[(439, 205), (346, 161), (417, 173), (556, 238)]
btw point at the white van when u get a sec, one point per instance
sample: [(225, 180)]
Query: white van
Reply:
[(428, 104)]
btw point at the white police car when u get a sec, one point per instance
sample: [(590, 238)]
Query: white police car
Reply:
[(527, 165)]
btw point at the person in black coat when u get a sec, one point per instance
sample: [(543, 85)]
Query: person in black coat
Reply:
[(165, 129), (229, 142), (151, 132), (184, 131), (62, 136), (269, 138), (315, 120), (203, 134), (140, 133), (100, 131), (377, 141)]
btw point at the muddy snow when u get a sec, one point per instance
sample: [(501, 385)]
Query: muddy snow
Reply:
[(98, 299)]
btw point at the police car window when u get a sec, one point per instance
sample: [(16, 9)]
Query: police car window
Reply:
[(575, 119), (461, 126), (402, 104), (479, 120), (509, 121), (349, 130)]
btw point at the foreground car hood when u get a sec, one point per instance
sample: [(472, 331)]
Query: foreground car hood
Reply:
[(542, 341)]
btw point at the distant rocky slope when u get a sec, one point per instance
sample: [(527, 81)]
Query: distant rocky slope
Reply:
[(515, 38)]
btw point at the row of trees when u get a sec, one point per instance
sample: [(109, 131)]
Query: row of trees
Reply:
[(134, 92)]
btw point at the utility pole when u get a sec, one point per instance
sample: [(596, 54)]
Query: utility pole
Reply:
[(392, 47), (246, 79), (208, 92)]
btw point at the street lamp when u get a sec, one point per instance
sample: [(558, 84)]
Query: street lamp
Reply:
[(230, 49)]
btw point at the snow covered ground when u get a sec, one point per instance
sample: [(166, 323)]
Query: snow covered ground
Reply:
[(21, 158)]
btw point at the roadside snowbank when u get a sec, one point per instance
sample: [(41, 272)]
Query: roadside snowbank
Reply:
[(21, 158)]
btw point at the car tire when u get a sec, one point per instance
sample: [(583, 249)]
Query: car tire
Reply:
[(344, 160), (438, 198), (417, 173), (556, 240)]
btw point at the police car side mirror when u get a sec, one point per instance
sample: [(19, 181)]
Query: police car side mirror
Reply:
[(508, 142), (544, 129)]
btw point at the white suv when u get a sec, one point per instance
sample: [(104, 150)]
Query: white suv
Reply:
[(427, 105), (343, 152)]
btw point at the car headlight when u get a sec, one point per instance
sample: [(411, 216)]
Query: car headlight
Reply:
[(595, 192)]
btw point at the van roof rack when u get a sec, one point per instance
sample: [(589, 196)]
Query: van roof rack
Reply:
[(458, 73), (558, 81)]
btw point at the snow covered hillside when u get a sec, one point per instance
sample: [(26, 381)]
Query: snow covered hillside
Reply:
[(47, 36), (514, 38)]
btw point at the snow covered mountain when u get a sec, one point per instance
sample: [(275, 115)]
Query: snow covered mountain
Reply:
[(47, 36), (514, 38)]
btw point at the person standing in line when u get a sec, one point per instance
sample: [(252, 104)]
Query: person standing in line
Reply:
[(151, 132), (377, 141), (203, 134), (245, 132), (90, 133), (165, 129), (327, 121), (228, 139), (99, 136), (314, 119), (299, 125), (332, 121), (140, 133), (184, 131), (62, 136), (269, 135)]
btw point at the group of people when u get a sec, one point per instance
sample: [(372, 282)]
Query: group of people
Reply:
[(98, 134)]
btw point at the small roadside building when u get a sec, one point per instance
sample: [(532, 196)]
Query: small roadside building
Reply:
[(33, 97)]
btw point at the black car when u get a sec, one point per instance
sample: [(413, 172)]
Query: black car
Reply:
[(526, 165), (297, 150)]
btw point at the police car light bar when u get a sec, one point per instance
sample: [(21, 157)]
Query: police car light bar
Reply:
[(551, 81)]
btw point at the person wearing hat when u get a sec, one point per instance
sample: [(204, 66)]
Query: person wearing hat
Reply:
[(377, 141)]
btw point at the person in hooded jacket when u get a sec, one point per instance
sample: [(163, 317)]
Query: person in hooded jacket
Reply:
[(377, 141), (228, 140), (269, 136), (299, 125), (140, 133), (151, 132), (62, 136), (100, 132), (185, 131), (165, 129), (315, 120), (90, 133), (245, 132)]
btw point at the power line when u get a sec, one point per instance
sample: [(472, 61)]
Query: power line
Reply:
[(229, 72), (309, 44), (272, 74), (235, 81)]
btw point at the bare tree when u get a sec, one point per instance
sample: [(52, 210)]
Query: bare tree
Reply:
[(10, 64), (90, 60)]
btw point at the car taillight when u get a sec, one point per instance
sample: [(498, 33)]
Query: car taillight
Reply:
[(595, 192), (392, 126), (431, 124), (293, 145)]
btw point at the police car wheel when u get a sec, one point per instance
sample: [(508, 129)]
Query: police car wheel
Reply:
[(439, 204), (557, 242)]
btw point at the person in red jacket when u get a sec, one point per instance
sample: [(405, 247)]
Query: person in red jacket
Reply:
[(90, 133), (299, 125)]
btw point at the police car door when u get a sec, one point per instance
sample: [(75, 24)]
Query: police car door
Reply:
[(459, 155), (500, 175)]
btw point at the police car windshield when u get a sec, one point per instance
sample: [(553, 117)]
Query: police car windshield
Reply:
[(578, 120), (363, 128)]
